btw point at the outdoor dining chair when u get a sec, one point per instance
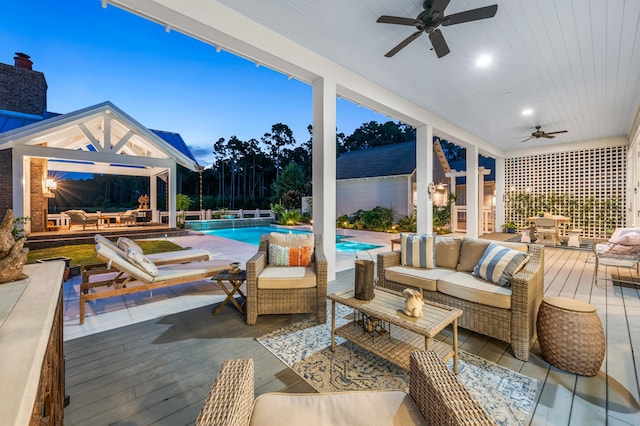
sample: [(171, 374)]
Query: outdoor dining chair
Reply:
[(548, 227)]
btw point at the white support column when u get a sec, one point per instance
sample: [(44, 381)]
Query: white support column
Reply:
[(473, 203), (483, 225), (172, 182), (454, 207), (20, 176), (424, 175), (153, 198), (500, 194), (324, 168)]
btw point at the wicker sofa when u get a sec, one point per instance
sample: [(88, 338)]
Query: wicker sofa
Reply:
[(435, 397), (275, 289), (505, 313)]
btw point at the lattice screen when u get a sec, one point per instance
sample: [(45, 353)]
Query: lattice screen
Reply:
[(588, 186)]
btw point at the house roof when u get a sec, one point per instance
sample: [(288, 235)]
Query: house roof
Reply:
[(176, 141), (387, 160), (102, 129), (10, 120), (396, 160)]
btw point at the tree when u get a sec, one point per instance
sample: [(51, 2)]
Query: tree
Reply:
[(375, 134), (280, 137), (292, 186)]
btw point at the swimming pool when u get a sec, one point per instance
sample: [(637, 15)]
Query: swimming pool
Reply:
[(252, 235)]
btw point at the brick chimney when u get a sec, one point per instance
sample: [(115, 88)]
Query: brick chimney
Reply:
[(22, 61), (21, 88)]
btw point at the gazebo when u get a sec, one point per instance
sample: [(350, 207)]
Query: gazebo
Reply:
[(97, 139)]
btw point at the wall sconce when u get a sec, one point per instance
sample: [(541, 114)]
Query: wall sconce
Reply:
[(50, 186), (432, 189)]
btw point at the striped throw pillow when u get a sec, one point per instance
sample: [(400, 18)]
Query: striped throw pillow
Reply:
[(417, 250), (499, 264)]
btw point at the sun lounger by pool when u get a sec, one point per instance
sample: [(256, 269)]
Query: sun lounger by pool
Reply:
[(132, 277), (165, 258)]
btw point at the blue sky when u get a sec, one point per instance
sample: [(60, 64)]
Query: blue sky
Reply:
[(166, 81)]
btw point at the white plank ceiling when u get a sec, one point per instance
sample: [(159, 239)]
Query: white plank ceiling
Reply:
[(576, 63)]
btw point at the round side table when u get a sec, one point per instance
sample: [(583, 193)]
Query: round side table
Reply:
[(571, 335)]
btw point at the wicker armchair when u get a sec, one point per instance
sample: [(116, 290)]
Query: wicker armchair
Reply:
[(80, 217), (286, 297), (435, 395)]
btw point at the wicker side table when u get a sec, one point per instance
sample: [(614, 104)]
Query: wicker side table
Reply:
[(571, 335)]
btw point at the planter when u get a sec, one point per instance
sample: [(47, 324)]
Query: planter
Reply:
[(511, 231)]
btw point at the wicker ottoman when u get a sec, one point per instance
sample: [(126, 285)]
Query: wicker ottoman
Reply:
[(571, 335)]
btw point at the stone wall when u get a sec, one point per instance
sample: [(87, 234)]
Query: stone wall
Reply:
[(38, 201), (6, 181)]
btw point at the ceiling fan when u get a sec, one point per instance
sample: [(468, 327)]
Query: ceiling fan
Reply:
[(542, 134), (430, 19)]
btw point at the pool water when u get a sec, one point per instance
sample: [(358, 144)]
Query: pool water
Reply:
[(251, 235)]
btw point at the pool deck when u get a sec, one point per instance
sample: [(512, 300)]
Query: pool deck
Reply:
[(107, 314)]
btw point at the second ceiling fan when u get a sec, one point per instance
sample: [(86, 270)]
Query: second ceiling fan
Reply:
[(430, 19), (542, 134)]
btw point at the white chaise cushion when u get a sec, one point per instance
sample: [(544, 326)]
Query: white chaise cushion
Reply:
[(279, 277), (416, 277), (467, 287), (339, 408)]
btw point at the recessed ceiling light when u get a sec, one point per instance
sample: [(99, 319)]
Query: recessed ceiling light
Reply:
[(483, 60), (527, 111)]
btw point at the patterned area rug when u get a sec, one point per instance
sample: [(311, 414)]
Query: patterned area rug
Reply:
[(509, 397)]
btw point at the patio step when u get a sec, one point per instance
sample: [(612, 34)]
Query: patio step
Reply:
[(57, 239)]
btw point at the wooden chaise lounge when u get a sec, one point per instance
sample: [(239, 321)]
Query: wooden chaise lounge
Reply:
[(159, 259), (133, 278)]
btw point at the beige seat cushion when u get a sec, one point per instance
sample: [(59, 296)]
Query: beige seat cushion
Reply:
[(340, 408), (468, 287), (416, 277), (287, 277)]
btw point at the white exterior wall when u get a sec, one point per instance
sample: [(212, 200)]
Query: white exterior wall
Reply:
[(365, 194)]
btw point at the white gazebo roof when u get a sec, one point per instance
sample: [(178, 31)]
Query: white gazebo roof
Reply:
[(98, 139)]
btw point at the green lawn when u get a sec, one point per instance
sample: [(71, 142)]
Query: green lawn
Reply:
[(85, 254)]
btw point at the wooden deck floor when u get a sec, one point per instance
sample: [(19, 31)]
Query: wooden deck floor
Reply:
[(160, 371)]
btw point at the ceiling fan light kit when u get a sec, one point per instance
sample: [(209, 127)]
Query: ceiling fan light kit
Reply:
[(430, 19)]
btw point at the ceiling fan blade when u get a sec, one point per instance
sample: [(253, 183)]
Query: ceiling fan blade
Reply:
[(438, 7), (471, 15), (385, 19), (438, 43), (403, 43), (527, 139), (555, 133), (548, 136)]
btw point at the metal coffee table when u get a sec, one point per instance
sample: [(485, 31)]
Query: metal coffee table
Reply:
[(393, 335)]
